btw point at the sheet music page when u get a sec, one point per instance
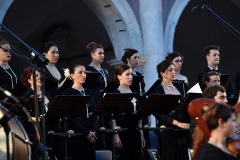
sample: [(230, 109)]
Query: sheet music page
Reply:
[(195, 89)]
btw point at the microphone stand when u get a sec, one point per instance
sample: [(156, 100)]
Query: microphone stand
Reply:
[(206, 7), (37, 57)]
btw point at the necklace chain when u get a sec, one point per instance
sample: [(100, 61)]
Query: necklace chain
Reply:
[(100, 70), (170, 86), (124, 91), (11, 75)]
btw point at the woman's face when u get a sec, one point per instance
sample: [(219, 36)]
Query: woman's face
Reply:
[(133, 61), (52, 55), (229, 127), (5, 54), (98, 55), (177, 62), (79, 75), (169, 74), (38, 80), (126, 77)]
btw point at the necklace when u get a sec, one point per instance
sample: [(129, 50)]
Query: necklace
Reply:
[(100, 70), (170, 88), (81, 90), (124, 91), (5, 69)]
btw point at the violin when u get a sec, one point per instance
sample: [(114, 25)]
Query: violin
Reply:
[(233, 144)]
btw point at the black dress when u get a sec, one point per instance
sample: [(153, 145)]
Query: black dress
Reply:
[(229, 85), (97, 91), (8, 79), (51, 124), (80, 147), (131, 143), (210, 152), (174, 142), (51, 84)]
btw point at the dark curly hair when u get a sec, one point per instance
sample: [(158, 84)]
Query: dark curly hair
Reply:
[(172, 55), (92, 46), (128, 54), (26, 75), (162, 67)]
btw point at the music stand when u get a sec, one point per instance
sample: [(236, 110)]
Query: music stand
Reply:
[(64, 107), (159, 104), (178, 82), (224, 78), (30, 105), (187, 99), (114, 103), (153, 87), (91, 79)]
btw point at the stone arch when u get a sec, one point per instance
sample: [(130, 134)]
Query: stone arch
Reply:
[(4, 5), (171, 23), (120, 23)]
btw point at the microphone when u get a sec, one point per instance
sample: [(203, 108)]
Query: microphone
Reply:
[(40, 57), (203, 7), (195, 8)]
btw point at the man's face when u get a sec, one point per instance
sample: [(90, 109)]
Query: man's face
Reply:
[(213, 58), (221, 97), (214, 80)]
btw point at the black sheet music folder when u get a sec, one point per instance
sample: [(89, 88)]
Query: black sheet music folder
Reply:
[(188, 98), (67, 106), (91, 79), (178, 82), (160, 103), (114, 103), (153, 87)]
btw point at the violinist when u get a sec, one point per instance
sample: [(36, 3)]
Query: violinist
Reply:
[(210, 137)]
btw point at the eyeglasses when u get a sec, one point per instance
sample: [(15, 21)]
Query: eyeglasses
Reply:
[(215, 81), (5, 50), (178, 61)]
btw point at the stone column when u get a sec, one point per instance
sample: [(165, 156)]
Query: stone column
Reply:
[(152, 31), (153, 46)]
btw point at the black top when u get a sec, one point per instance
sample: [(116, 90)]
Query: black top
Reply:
[(28, 100), (229, 86), (210, 152), (51, 84), (237, 81), (85, 124), (140, 87), (100, 83), (8, 79)]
